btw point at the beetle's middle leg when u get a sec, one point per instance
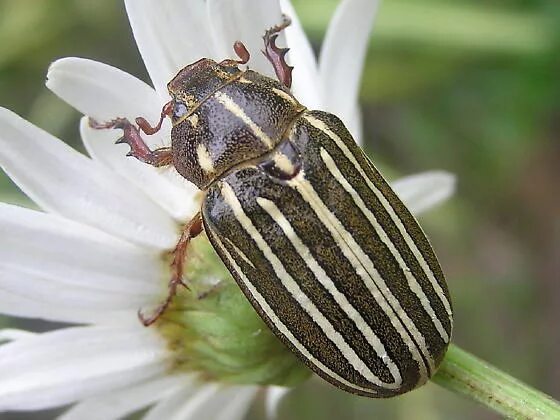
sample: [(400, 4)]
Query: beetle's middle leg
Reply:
[(191, 230), (131, 136)]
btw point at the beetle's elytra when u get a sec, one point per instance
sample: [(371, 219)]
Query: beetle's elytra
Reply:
[(325, 251)]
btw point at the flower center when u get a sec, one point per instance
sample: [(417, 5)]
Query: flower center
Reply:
[(214, 331)]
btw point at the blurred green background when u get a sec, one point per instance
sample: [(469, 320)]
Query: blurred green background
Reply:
[(469, 86)]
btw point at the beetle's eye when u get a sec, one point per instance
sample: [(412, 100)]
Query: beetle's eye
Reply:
[(231, 69), (179, 109)]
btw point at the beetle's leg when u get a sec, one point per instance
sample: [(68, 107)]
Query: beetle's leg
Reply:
[(138, 148), (191, 230), (277, 55)]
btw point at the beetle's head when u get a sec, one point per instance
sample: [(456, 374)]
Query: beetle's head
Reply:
[(194, 83)]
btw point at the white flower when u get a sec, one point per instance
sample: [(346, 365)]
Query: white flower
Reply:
[(93, 256)]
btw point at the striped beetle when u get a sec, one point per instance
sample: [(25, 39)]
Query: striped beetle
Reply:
[(325, 251)]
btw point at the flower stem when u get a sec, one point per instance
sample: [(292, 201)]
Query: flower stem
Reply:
[(466, 374)]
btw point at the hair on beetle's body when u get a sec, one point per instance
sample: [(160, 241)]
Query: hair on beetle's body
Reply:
[(325, 251)]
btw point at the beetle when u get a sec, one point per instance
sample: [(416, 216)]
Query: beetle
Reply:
[(316, 239)]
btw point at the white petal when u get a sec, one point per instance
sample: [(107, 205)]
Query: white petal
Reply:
[(423, 191), (183, 403), (63, 181), (12, 334), (35, 286), (305, 77), (342, 57), (245, 21), (21, 306), (354, 124), (170, 35), (56, 269), (37, 245), (210, 402), (104, 92), (274, 395), (163, 185), (118, 404), (237, 403), (64, 366)]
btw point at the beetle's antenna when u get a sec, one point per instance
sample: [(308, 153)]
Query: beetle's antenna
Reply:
[(241, 51)]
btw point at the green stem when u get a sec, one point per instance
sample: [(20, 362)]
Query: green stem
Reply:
[(466, 374)]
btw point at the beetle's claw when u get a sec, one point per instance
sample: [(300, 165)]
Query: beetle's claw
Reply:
[(181, 282), (96, 125), (174, 283), (147, 321)]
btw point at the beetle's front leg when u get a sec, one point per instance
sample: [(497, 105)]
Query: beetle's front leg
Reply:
[(131, 136), (277, 55), (192, 229)]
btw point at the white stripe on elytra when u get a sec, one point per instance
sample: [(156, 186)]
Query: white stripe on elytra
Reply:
[(236, 110), (295, 291), (322, 277), (396, 219), (285, 331), (204, 159), (240, 253), (364, 267), (412, 282)]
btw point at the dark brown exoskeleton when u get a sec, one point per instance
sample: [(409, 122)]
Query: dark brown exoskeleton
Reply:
[(316, 239), (223, 117)]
